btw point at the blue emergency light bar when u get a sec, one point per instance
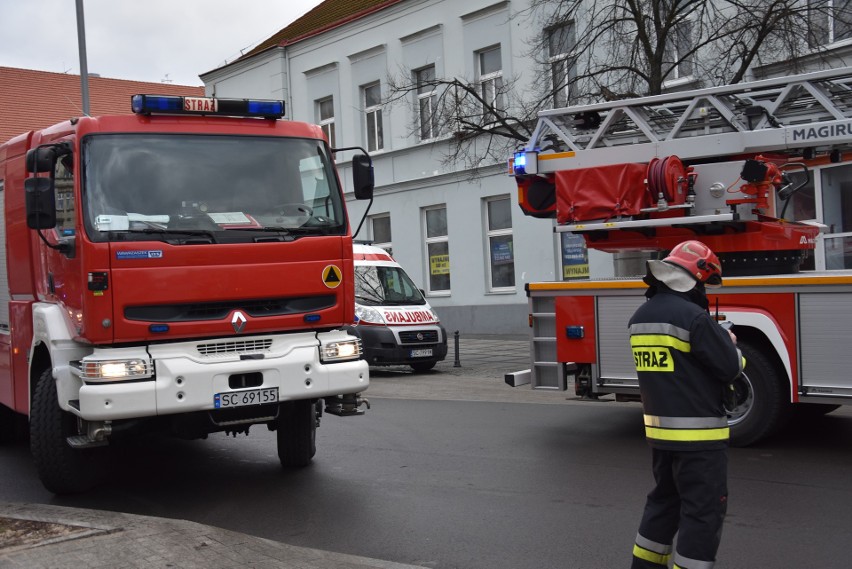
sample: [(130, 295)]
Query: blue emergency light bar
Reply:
[(525, 162), (167, 104)]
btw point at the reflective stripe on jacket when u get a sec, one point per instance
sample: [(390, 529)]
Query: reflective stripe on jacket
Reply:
[(683, 358)]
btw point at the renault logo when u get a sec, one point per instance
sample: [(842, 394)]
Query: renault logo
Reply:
[(238, 322)]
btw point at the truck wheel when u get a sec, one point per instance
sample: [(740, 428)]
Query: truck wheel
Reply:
[(297, 433), (62, 469), (423, 366), (762, 402)]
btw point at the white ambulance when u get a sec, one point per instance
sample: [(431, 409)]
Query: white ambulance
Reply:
[(395, 323)]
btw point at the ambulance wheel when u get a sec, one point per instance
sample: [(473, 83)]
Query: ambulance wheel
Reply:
[(297, 433), (420, 367), (62, 469), (762, 403)]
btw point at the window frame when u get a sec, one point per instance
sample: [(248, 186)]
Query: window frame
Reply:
[(327, 124), (563, 63), (674, 47), (373, 113), (489, 234), (492, 78), (828, 25), (430, 98), (445, 238), (386, 245)]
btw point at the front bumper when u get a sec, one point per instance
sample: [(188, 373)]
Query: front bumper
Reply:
[(186, 380)]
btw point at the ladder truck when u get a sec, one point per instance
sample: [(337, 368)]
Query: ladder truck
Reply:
[(721, 165)]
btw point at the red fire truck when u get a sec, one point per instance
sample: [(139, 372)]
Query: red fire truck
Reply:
[(722, 165), (184, 269)]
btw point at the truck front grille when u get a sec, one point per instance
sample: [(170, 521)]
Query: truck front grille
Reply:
[(419, 337), (260, 307), (234, 347)]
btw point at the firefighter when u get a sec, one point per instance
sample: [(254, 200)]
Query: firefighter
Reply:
[(685, 362)]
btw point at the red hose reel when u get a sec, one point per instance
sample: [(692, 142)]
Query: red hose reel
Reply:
[(668, 182)]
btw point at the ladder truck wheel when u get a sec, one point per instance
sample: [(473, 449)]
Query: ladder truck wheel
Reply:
[(62, 469), (762, 402), (297, 433)]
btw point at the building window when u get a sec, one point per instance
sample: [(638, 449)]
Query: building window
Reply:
[(325, 118), (678, 51), (491, 80), (830, 21), (836, 196), (437, 249), (560, 43), (380, 226), (575, 256), (501, 250), (372, 95), (427, 101)]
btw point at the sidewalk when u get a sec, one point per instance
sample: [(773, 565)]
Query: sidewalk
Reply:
[(39, 536), (75, 538)]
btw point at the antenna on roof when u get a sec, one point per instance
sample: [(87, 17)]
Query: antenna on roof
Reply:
[(73, 104), (166, 79)]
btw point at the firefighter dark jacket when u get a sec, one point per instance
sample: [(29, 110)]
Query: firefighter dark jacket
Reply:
[(683, 359)]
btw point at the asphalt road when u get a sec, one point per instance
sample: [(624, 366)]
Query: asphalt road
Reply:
[(435, 475)]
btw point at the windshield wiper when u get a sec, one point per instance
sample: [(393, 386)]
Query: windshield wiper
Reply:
[(191, 232), (371, 299)]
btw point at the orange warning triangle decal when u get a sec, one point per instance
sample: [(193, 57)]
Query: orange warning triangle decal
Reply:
[(331, 276)]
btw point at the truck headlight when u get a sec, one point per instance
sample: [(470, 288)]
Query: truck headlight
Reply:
[(340, 351), (116, 370), (368, 314)]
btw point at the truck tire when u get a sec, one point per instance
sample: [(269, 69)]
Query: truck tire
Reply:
[(297, 433), (763, 406), (62, 469), (420, 367)]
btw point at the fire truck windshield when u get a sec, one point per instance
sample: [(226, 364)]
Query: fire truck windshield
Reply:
[(136, 186)]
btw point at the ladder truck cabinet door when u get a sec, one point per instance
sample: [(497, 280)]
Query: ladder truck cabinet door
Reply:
[(575, 329), (615, 355)]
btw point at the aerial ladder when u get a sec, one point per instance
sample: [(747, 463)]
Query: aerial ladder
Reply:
[(720, 165)]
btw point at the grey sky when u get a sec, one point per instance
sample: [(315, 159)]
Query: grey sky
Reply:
[(150, 40)]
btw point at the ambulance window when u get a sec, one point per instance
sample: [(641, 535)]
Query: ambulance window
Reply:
[(65, 204)]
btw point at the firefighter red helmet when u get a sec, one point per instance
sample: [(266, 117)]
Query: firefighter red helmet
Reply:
[(698, 260)]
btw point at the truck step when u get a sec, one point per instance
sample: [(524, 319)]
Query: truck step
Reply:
[(82, 441)]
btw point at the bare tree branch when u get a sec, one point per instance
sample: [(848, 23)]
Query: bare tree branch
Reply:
[(612, 49)]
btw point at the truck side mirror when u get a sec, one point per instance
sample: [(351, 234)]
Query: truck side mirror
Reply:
[(41, 159), (40, 198), (362, 177)]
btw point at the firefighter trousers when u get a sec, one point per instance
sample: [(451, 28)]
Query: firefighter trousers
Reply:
[(690, 499)]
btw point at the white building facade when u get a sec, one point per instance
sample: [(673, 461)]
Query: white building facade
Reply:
[(462, 238)]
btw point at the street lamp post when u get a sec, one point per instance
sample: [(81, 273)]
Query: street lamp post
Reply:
[(84, 68)]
